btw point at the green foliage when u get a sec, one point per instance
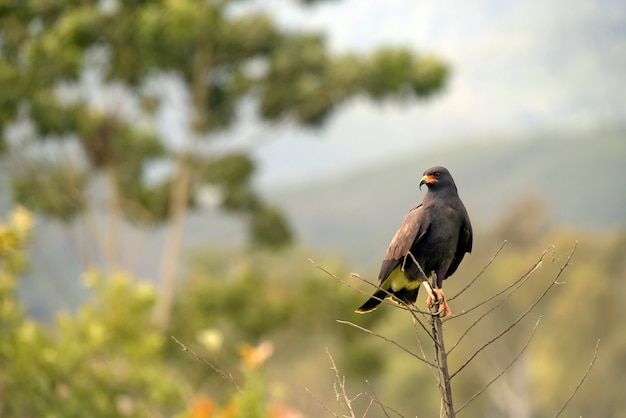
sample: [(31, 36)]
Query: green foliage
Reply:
[(228, 298), (14, 236), (53, 118), (108, 359), (270, 229), (398, 72), (105, 359), (232, 174), (303, 63), (230, 170), (60, 190), (213, 52)]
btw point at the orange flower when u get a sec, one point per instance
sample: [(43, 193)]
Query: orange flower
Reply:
[(253, 357), (203, 408)]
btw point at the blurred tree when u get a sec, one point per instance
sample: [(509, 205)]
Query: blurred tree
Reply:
[(86, 75), (97, 360), (231, 297)]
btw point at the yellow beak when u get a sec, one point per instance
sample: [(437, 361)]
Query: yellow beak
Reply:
[(428, 179)]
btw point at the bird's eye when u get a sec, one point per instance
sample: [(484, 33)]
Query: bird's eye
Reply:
[(436, 174)]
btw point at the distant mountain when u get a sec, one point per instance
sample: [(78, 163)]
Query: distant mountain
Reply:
[(580, 178)]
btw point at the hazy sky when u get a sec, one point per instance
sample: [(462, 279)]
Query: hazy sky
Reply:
[(517, 67)]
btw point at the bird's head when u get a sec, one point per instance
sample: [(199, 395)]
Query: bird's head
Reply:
[(436, 177)]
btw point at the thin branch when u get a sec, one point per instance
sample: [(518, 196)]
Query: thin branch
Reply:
[(516, 286), (343, 282), (506, 289), (358, 276), (593, 360), (400, 304), (480, 273), (504, 331), (323, 405), (419, 343), (355, 275), (416, 263), (552, 284), (406, 350), (532, 333), (383, 407), (216, 369), (341, 381), (415, 311)]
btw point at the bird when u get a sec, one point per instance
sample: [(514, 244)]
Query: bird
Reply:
[(436, 233)]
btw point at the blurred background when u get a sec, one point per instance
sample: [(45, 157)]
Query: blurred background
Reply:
[(168, 168)]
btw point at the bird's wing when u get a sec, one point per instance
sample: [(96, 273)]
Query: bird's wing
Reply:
[(464, 245), (411, 229)]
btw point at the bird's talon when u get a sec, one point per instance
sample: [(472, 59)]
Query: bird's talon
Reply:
[(436, 314)]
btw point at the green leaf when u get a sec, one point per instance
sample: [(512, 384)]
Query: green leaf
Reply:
[(269, 229)]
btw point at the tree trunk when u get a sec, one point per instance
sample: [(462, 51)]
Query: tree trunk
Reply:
[(180, 191), (113, 234), (173, 242)]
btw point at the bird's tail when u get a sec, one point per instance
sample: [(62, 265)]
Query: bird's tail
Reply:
[(373, 302), (406, 296)]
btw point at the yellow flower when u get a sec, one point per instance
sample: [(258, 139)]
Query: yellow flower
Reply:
[(21, 220), (92, 277), (210, 338)]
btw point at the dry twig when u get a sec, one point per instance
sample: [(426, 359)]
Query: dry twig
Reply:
[(523, 278), (440, 366), (340, 393), (216, 369), (580, 383), (383, 407), (504, 370), (382, 337), (480, 273), (517, 321)]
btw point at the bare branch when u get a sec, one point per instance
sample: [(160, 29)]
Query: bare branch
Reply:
[(399, 304), (416, 263), (516, 285), (441, 356), (480, 273), (342, 395), (532, 333), (383, 407), (506, 289), (498, 336), (343, 282), (593, 360), (504, 331), (323, 405), (434, 371), (440, 367), (216, 369), (406, 350)]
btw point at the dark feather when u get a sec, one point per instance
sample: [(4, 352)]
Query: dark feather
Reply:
[(436, 233)]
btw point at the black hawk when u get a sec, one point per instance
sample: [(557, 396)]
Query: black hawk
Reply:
[(436, 234)]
